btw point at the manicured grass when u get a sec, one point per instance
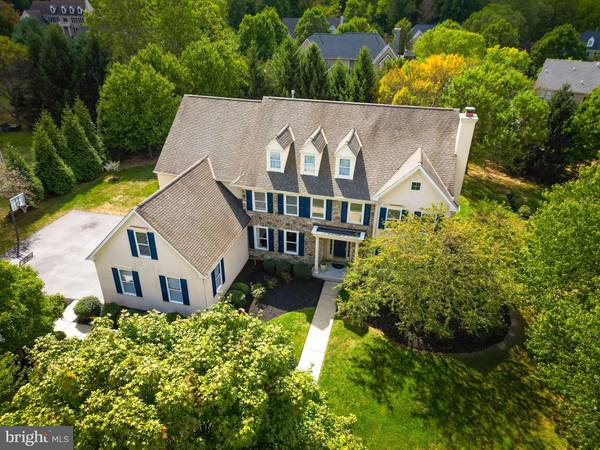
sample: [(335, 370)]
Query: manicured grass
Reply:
[(297, 324), (135, 184), (485, 182), (21, 140), (404, 399)]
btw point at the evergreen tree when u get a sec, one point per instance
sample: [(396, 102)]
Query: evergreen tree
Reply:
[(91, 71), (15, 161), (85, 120), (313, 74), (362, 81), (81, 156), (256, 74), (548, 163), (55, 175), (284, 68), (56, 137), (338, 82)]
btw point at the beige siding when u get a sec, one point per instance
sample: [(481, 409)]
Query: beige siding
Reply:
[(116, 253)]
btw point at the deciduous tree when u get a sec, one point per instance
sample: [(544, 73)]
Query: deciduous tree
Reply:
[(561, 43), (136, 108), (561, 271), (15, 71), (312, 21), (15, 161), (449, 38), (498, 23), (510, 57), (355, 25), (167, 65), (586, 127), (419, 82), (264, 30), (215, 380), (457, 10), (8, 18)]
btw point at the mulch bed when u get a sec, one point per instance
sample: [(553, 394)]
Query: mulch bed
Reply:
[(461, 343), (285, 297)]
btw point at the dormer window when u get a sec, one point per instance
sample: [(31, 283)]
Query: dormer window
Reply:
[(415, 186), (590, 42), (79, 10), (71, 10), (312, 151), (63, 9), (52, 9), (278, 149), (346, 154), (275, 161)]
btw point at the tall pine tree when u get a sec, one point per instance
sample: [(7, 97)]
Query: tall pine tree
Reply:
[(338, 82), (81, 156), (55, 175), (256, 74), (46, 123), (90, 72), (283, 70), (85, 120), (362, 81), (313, 74)]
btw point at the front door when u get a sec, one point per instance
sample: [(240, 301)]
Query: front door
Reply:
[(339, 249)]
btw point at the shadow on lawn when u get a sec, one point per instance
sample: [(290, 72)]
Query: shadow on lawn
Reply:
[(503, 409)]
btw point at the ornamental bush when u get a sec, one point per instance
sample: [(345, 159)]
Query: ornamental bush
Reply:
[(173, 316), (239, 286), (112, 310), (218, 379), (283, 266), (269, 265), (237, 298), (87, 308)]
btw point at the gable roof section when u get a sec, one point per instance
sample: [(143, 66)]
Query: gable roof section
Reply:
[(581, 76), (235, 133), (420, 27), (318, 140), (285, 136), (418, 161), (346, 46)]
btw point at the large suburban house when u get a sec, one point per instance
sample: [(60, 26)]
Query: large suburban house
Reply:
[(67, 14), (302, 180), (291, 22), (346, 46), (591, 40), (581, 76)]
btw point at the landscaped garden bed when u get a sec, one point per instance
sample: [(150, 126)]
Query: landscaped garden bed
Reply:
[(284, 292)]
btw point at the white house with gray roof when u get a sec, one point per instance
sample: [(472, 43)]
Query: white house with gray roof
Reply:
[(582, 77), (303, 180)]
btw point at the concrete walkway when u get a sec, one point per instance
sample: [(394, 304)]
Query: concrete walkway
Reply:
[(68, 323), (315, 345)]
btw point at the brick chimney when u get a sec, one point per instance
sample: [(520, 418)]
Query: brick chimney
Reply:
[(464, 136)]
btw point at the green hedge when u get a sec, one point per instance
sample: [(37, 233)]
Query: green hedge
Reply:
[(302, 271), (173, 316), (283, 266), (269, 265), (239, 286), (237, 298), (112, 310)]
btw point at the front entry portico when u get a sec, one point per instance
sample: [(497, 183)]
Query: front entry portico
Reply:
[(334, 245)]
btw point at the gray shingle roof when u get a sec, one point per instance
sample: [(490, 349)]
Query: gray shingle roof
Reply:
[(346, 46), (422, 27), (197, 215), (235, 134), (581, 76)]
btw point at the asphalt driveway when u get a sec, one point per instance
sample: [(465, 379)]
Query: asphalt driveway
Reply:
[(59, 252)]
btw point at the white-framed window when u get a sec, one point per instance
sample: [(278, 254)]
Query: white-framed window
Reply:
[(309, 164), (344, 165), (290, 239), (143, 246), (291, 205), (218, 276), (355, 213), (174, 290), (415, 186), (393, 214), (275, 160), (260, 201), (317, 208), (261, 238), (127, 283)]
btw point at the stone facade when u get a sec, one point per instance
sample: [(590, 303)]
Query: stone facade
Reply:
[(303, 225)]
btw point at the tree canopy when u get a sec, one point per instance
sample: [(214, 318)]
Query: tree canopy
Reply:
[(264, 30), (312, 21), (361, 86), (586, 127), (313, 74), (214, 380), (561, 271), (561, 43), (26, 312), (449, 38)]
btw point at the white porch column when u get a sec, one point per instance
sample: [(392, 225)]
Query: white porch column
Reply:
[(316, 254), (356, 250)]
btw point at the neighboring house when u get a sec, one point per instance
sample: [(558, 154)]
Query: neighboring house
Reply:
[(303, 180), (591, 40), (413, 35), (67, 14), (581, 76), (291, 22), (345, 47)]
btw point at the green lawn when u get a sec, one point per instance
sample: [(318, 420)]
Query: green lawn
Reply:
[(404, 399), (297, 324), (21, 140), (489, 183), (135, 183)]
